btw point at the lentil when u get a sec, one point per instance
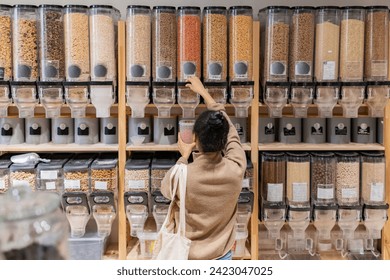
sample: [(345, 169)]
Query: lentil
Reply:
[(302, 47), (240, 47), (215, 47), (76, 46), (373, 182), (137, 180), (77, 181), (52, 46), (323, 179), (188, 47), (273, 179), (138, 46), (298, 183), (104, 179), (164, 46), (5, 47), (376, 53), (347, 183), (352, 50), (25, 47), (327, 51)]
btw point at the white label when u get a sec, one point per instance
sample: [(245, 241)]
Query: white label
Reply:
[(21, 183), (325, 191), (100, 185), (328, 70), (377, 192), (246, 183), (50, 185), (49, 174), (2, 184), (275, 192), (299, 192), (349, 193), (136, 184), (72, 184)]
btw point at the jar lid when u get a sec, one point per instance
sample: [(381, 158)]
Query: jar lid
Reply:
[(353, 8), (57, 161), (164, 8), (79, 162), (303, 8), (327, 7), (21, 203), (188, 8), (76, 6), (163, 163), (138, 7), (240, 8), (214, 8), (24, 6), (49, 6), (278, 8), (298, 154), (325, 207), (274, 155), (377, 8), (3, 6), (105, 161), (138, 163), (373, 154), (323, 154), (101, 6), (347, 154)]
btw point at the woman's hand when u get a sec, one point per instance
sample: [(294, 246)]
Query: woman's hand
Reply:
[(184, 148), (196, 86)]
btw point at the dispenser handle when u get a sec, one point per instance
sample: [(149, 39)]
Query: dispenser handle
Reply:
[(246, 197), (71, 199), (140, 198), (102, 198), (159, 199)]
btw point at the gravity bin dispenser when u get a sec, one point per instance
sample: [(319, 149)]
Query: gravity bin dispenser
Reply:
[(275, 96), (5, 98), (136, 207), (326, 97), (324, 220), (351, 97), (378, 93)]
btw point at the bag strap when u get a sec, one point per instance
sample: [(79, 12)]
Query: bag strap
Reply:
[(182, 208)]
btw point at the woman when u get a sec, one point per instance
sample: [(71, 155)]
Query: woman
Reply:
[(214, 180)]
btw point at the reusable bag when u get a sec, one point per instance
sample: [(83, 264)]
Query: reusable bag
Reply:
[(171, 245)]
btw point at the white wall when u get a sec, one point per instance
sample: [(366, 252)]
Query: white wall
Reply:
[(256, 4)]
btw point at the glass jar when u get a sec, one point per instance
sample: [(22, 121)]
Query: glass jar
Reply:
[(273, 179), (323, 178), (51, 47), (302, 44), (76, 30), (377, 42), (277, 31), (5, 43), (352, 44), (164, 37), (240, 43), (373, 170), (298, 179), (25, 43), (215, 42), (327, 43), (33, 226), (188, 43), (102, 22), (138, 43), (348, 178)]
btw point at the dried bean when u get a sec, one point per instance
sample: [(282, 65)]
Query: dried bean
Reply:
[(347, 183), (5, 47), (104, 179), (323, 180)]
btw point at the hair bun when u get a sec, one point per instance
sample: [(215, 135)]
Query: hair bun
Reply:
[(216, 119)]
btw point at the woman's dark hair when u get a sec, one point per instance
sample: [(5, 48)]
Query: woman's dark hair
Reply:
[(211, 129)]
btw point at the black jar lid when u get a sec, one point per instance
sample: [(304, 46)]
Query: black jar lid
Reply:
[(353, 8), (101, 7), (3, 6), (377, 7), (303, 8), (50, 6), (188, 8), (24, 6), (164, 8), (138, 7), (327, 7), (240, 8), (278, 8), (76, 6), (214, 8)]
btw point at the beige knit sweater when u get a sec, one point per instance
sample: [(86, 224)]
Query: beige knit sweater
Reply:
[(214, 183)]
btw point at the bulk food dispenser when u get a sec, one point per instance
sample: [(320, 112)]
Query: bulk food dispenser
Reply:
[(25, 59), (77, 63), (349, 218), (103, 211), (136, 207), (378, 92), (103, 21), (374, 219), (52, 59), (5, 58), (324, 220), (326, 97)]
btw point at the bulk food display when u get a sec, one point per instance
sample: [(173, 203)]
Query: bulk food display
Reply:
[(5, 43)]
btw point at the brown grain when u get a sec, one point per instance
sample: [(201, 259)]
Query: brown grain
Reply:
[(373, 176), (81, 177), (6, 46), (104, 177)]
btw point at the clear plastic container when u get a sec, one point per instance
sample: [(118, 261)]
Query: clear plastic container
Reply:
[(102, 22), (298, 180), (275, 97), (147, 241), (5, 163), (327, 95), (103, 210), (160, 212), (136, 214), (164, 98), (348, 178), (77, 212), (189, 40), (274, 218), (240, 43), (137, 97), (349, 218), (186, 128), (187, 99), (352, 43), (50, 176), (301, 65), (62, 130), (5, 42), (241, 96), (137, 174), (247, 183), (104, 173), (323, 178), (25, 97), (37, 131), (5, 97), (352, 95), (160, 166), (273, 179), (215, 44), (76, 30), (86, 131), (301, 96), (51, 97), (324, 220), (298, 220), (374, 218), (89, 247), (378, 94), (23, 175), (338, 130), (239, 247), (11, 131), (276, 49), (164, 36), (138, 43), (377, 43), (327, 43), (218, 91), (51, 43), (25, 43), (76, 173), (77, 98), (373, 171)]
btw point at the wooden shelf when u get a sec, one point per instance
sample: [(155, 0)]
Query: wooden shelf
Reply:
[(320, 147), (50, 147), (173, 147)]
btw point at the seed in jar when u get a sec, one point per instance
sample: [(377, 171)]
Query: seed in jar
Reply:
[(137, 180), (23, 178), (347, 183), (5, 47), (4, 183), (76, 181), (105, 178)]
